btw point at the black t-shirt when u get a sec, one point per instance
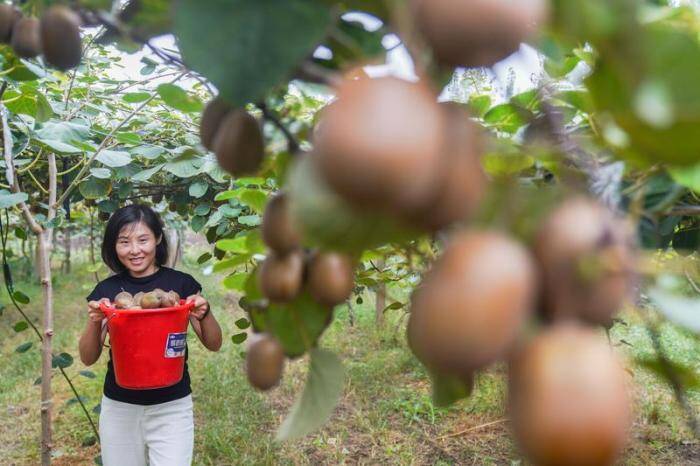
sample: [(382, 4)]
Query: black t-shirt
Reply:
[(166, 279)]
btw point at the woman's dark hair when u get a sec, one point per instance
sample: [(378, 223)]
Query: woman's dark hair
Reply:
[(133, 213)]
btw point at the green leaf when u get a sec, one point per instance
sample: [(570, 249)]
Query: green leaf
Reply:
[(185, 166), (236, 281), (204, 257), (136, 97), (102, 173), (113, 158), (44, 111), (94, 188), (506, 117), (128, 138), (9, 200), (177, 98), (202, 209), (146, 174), (20, 326), (242, 323), (235, 261), (198, 189), (24, 347), (322, 391), (250, 220), (239, 338), (63, 136), (683, 311), (87, 374), (62, 360), (20, 297), (264, 41), (479, 104), (20, 233), (254, 199), (297, 324), (197, 223)]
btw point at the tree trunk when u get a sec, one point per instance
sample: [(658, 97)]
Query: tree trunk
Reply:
[(174, 250), (92, 242), (380, 300), (67, 249), (380, 304), (44, 243)]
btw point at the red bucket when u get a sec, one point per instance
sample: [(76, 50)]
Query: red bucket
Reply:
[(148, 345)]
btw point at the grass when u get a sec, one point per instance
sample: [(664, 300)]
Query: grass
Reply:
[(385, 415)]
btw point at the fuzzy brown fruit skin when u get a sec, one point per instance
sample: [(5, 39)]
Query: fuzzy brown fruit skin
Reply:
[(475, 33), (212, 116), (463, 181), (60, 37), (239, 145), (137, 298), (281, 276), (124, 300), (265, 362), (330, 278), (472, 305), (378, 145), (586, 258), (9, 15), (568, 399), (104, 216), (26, 41), (278, 230), (150, 300)]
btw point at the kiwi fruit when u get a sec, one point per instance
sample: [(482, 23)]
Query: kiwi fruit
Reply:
[(568, 399), (463, 184), (124, 300), (586, 258), (137, 298), (212, 116), (278, 230), (174, 296), (281, 276), (239, 145), (474, 33), (379, 144), (9, 15), (472, 304), (26, 41), (150, 300), (264, 362), (104, 216), (156, 198), (330, 277), (60, 37)]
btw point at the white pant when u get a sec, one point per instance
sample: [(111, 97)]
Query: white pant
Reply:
[(158, 435)]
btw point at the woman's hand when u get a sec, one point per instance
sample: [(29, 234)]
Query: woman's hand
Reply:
[(95, 314), (201, 306)]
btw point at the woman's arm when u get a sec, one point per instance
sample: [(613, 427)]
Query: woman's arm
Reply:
[(92, 338), (207, 329)]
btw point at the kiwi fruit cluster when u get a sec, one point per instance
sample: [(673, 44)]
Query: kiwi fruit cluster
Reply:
[(288, 268), (234, 135), (387, 145), (489, 298), (56, 35), (473, 33), (264, 361), (155, 299)]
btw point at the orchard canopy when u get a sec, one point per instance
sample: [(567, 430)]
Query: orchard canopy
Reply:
[(519, 172)]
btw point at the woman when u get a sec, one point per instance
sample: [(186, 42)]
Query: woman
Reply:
[(156, 425)]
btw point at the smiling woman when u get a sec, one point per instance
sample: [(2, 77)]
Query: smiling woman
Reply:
[(135, 248)]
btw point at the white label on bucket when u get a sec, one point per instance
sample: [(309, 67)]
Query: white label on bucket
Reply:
[(176, 344)]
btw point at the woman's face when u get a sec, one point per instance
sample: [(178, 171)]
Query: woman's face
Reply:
[(136, 249)]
